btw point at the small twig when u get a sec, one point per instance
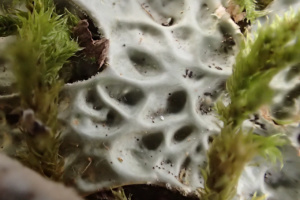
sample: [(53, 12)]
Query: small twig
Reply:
[(106, 147), (142, 5), (90, 162)]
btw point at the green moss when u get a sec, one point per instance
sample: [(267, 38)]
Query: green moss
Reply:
[(253, 8), (262, 4), (119, 194), (8, 25), (274, 48), (43, 45), (229, 154)]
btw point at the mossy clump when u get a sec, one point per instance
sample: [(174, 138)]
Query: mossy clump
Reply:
[(229, 154), (8, 25), (252, 8), (274, 48), (43, 45)]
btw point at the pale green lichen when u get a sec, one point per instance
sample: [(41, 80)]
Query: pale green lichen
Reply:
[(274, 48)]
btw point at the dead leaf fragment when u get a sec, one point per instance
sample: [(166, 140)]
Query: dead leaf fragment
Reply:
[(94, 49), (235, 12)]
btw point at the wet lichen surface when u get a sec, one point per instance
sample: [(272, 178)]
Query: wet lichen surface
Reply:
[(138, 108)]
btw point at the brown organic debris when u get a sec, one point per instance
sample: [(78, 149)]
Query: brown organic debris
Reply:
[(94, 49), (234, 11)]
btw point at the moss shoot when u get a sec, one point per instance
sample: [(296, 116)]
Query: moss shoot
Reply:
[(274, 48), (253, 8), (43, 45)]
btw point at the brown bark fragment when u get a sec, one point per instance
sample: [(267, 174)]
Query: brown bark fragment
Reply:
[(94, 49)]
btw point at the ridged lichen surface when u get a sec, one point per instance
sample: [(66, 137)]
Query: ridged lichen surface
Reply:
[(148, 117)]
